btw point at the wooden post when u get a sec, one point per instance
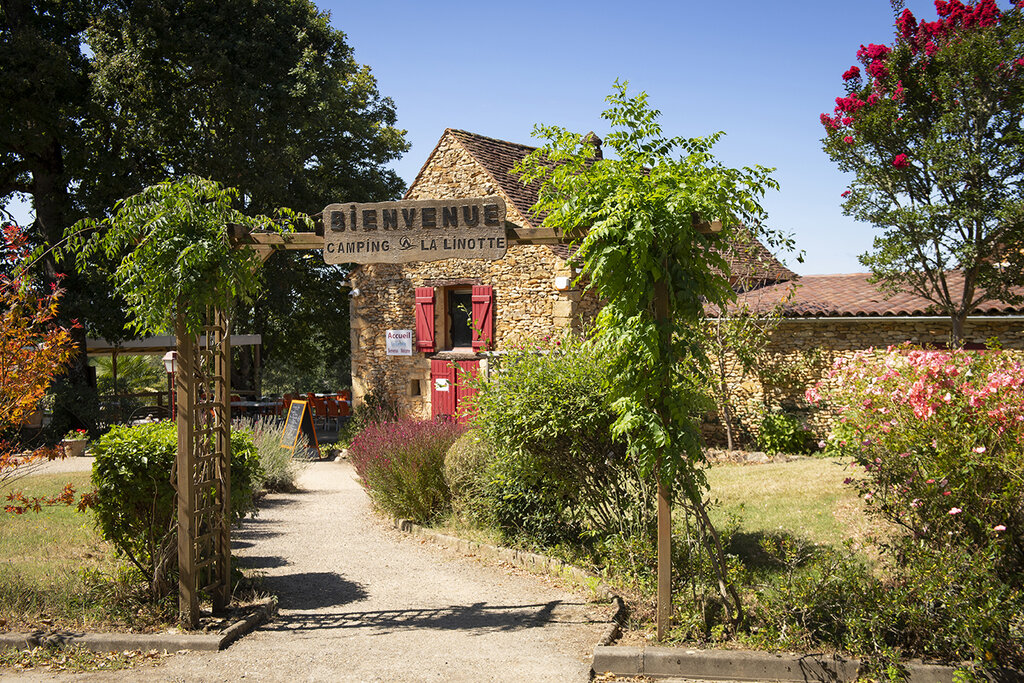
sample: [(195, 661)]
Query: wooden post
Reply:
[(664, 558), (184, 388), (661, 315), (222, 370)]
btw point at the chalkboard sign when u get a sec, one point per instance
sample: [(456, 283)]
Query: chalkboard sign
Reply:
[(300, 420)]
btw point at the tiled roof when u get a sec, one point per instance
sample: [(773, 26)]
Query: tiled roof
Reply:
[(753, 265), (498, 157), (852, 295), (750, 261)]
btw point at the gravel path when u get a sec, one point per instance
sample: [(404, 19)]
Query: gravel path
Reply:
[(360, 601)]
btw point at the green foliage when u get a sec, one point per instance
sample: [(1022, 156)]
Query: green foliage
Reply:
[(135, 374), (783, 433), (401, 466), (278, 468), (135, 498), (932, 134), (465, 467), (643, 247), (558, 468), (646, 257), (178, 259), (103, 99), (519, 501), (939, 437)]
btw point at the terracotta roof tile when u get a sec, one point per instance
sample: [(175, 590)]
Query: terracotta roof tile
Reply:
[(498, 157), (852, 295)]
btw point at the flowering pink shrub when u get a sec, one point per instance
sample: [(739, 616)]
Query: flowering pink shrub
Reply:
[(939, 436), (401, 466)]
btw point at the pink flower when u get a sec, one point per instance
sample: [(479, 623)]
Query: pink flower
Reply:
[(900, 161), (999, 527), (979, 449), (845, 194), (955, 511), (873, 52), (848, 139), (851, 73), (907, 25), (916, 503)]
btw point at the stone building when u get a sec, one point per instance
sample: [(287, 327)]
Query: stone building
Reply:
[(461, 310)]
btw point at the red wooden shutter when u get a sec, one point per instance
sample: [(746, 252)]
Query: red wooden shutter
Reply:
[(425, 319), (483, 317)]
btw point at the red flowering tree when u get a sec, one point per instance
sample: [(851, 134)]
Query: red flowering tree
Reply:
[(931, 128), (33, 348)]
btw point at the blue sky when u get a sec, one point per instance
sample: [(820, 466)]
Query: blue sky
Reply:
[(760, 71)]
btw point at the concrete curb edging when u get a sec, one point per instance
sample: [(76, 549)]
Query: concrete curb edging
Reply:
[(528, 560), (117, 642), (681, 662)]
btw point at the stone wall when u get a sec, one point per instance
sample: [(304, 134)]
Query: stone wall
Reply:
[(802, 351), (526, 303)]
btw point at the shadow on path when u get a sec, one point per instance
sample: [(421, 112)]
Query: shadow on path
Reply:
[(260, 561), (313, 590), (478, 617)]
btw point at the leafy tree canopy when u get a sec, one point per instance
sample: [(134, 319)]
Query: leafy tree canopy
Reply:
[(931, 128), (644, 244), (104, 98)]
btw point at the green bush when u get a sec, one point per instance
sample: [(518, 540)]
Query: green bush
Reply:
[(279, 469), (135, 498), (465, 467), (557, 470), (783, 433), (401, 465), (938, 436)]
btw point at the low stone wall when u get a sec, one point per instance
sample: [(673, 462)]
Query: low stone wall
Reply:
[(806, 350)]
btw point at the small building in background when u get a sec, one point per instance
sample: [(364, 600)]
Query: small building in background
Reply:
[(462, 311)]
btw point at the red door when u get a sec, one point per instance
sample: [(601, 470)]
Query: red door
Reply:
[(447, 387), (442, 389)]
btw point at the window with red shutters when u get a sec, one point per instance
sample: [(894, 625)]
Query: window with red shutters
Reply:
[(483, 317), (425, 319)]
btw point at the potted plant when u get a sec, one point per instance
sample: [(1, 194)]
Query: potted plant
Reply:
[(74, 442)]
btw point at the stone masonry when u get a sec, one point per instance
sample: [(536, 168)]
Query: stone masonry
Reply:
[(527, 304)]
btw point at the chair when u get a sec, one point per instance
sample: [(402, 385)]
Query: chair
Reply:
[(319, 407), (334, 408), (345, 402)]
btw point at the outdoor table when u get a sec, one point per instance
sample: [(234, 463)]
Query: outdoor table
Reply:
[(262, 407)]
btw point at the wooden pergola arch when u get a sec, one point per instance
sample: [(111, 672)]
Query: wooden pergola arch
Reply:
[(202, 386)]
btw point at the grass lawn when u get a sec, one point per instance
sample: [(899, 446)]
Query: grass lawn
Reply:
[(805, 498), (57, 539), (55, 570)]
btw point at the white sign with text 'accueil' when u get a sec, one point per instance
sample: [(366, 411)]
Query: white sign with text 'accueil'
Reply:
[(399, 342)]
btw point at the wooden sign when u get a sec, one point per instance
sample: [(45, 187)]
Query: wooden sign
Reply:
[(415, 230), (299, 420)]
